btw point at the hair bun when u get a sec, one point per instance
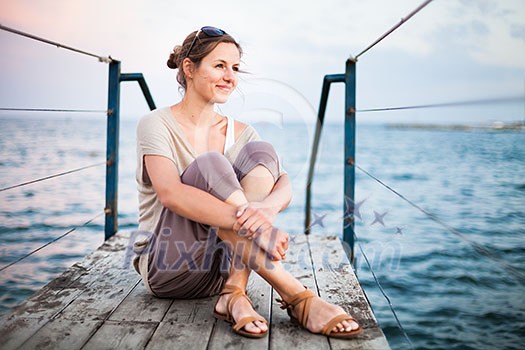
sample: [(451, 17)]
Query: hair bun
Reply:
[(174, 59)]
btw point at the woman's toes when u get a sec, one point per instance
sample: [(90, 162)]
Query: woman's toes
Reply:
[(252, 328), (346, 326), (262, 326), (338, 328), (350, 326)]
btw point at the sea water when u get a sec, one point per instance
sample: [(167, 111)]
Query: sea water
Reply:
[(446, 293)]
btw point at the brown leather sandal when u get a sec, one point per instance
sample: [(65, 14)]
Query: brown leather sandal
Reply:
[(237, 327), (301, 302)]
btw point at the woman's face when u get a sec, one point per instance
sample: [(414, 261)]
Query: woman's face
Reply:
[(216, 77)]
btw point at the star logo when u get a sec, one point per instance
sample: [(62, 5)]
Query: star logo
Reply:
[(353, 208), (379, 218), (318, 220)]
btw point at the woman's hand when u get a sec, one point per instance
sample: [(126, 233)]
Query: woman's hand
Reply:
[(255, 221), (253, 218)]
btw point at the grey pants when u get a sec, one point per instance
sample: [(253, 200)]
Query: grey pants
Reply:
[(186, 258)]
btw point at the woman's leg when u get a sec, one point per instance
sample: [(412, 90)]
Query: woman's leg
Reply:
[(256, 167), (258, 178), (256, 185)]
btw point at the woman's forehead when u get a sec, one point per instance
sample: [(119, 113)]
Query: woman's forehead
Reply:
[(227, 52)]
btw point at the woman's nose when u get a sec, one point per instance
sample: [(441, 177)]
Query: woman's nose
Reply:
[(229, 75)]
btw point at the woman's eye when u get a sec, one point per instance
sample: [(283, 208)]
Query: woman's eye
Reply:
[(235, 69), (220, 65)]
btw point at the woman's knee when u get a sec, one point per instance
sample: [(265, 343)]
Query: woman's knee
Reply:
[(205, 166), (263, 147), (257, 153), (213, 173)]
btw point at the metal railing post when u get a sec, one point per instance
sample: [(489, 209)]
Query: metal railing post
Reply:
[(327, 81), (113, 128), (349, 156)]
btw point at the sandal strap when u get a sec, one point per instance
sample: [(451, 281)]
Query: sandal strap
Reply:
[(245, 320), (236, 293), (230, 288), (327, 329), (303, 309)]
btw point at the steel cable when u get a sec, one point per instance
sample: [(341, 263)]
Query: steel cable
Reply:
[(52, 110), (57, 44), (447, 104), (383, 292), (391, 30), (50, 176), (478, 248), (48, 243)]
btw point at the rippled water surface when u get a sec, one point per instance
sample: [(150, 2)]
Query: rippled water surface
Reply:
[(447, 294)]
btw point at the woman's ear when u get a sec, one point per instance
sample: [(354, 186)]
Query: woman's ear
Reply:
[(187, 66)]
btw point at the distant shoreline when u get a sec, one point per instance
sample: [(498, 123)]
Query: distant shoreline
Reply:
[(496, 126)]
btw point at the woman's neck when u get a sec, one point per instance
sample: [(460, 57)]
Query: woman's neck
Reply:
[(196, 111)]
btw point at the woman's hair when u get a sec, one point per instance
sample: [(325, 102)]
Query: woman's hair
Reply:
[(203, 45)]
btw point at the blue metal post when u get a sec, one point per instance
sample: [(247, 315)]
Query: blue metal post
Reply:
[(113, 127), (349, 157), (327, 81)]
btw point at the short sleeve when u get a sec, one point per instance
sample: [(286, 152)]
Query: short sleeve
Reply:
[(153, 138)]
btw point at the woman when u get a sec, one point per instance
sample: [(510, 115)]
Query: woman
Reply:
[(209, 190)]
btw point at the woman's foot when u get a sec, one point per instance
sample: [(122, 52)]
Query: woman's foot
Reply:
[(241, 308), (274, 242), (319, 316), (321, 312)]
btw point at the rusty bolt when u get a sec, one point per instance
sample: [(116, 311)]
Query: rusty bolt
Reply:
[(350, 110)]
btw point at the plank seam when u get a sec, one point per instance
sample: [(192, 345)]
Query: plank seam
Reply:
[(109, 314)]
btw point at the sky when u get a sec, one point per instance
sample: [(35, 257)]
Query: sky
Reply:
[(453, 50)]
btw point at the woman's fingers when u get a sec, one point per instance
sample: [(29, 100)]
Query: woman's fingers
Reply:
[(274, 242), (243, 213), (251, 222)]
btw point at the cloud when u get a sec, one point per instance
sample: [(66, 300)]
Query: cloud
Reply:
[(295, 42), (517, 31), (488, 30)]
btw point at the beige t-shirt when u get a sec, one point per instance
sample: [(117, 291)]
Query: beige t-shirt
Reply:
[(158, 133)]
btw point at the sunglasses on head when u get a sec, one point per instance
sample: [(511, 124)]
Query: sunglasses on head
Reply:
[(209, 31)]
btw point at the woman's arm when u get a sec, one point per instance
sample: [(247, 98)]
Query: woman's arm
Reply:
[(184, 200), (200, 206), (280, 197), (257, 217)]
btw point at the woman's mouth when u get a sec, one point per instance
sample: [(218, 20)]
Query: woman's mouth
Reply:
[(224, 88)]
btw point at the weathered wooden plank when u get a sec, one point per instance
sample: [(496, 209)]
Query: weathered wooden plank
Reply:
[(117, 249), (191, 311), (187, 322), (69, 278), (62, 334), (95, 304), (223, 336), (107, 275), (105, 285), (175, 335), (46, 303), (122, 335), (101, 301), (17, 330), (141, 306), (27, 319), (338, 284), (284, 334)]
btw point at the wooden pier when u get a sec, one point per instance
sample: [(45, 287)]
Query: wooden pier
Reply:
[(100, 303)]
